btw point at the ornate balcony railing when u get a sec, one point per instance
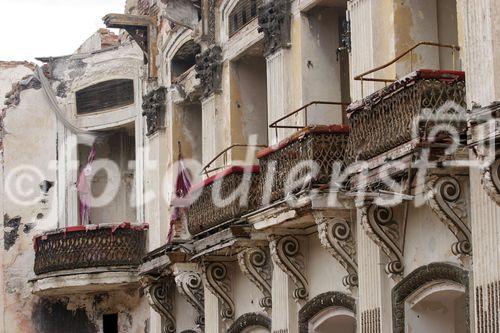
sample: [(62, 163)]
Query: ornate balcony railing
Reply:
[(386, 119), (90, 246), (321, 144), (208, 212)]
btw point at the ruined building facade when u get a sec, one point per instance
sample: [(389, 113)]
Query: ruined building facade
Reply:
[(325, 110)]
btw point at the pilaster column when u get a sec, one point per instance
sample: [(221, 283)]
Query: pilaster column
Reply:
[(371, 306), (212, 313), (482, 43)]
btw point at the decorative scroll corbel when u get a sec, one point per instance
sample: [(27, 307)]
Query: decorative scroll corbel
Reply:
[(154, 106), (256, 264), (337, 237), (387, 233), (446, 199), (218, 283), (285, 252), (491, 180), (160, 295), (190, 285)]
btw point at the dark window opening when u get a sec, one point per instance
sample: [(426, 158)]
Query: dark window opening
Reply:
[(242, 14), (184, 59), (244, 17), (110, 323), (253, 8), (235, 21), (105, 95)]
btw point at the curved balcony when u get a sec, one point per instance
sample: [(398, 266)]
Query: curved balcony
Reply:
[(385, 119), (205, 214), (92, 255), (321, 144)]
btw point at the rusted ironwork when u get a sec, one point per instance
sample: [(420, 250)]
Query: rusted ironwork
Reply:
[(362, 77), (386, 119), (80, 247), (322, 144), (223, 154), (204, 214), (275, 124)]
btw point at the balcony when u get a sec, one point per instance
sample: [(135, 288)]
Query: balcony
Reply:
[(93, 255), (321, 144), (205, 215), (385, 119)]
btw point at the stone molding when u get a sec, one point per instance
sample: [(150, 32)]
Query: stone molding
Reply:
[(322, 302), (285, 252), (189, 284), (256, 265), (417, 279), (337, 237), (387, 232), (154, 106), (217, 281), (248, 320), (447, 199)]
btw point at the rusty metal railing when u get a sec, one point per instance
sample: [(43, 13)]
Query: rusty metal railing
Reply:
[(361, 77), (303, 108), (223, 153)]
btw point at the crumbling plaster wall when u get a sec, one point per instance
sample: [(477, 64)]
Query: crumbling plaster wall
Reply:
[(29, 150)]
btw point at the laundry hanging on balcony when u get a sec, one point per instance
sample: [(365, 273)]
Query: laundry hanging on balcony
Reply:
[(84, 189), (182, 186)]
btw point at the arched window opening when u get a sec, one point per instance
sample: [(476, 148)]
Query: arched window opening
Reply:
[(329, 312), (184, 59), (438, 308), (333, 319), (432, 298)]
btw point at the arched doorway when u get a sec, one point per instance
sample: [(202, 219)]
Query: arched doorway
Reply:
[(329, 312), (432, 299)]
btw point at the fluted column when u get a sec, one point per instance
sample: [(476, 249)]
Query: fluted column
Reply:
[(285, 308), (371, 275), (213, 322), (482, 67)]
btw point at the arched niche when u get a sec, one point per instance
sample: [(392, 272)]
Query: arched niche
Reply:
[(435, 295), (328, 312), (184, 58)]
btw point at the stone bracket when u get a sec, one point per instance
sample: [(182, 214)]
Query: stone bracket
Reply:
[(160, 294), (154, 108), (387, 232), (189, 283), (285, 252), (337, 236), (142, 29), (209, 70), (274, 18), (217, 281), (491, 180), (256, 265), (447, 199)]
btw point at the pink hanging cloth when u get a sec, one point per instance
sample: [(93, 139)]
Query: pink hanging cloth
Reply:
[(84, 189), (182, 186)]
